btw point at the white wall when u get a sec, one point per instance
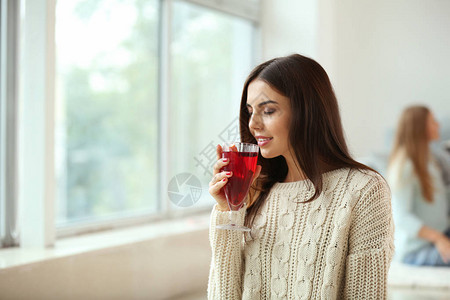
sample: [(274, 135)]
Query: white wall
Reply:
[(288, 27), (380, 55), (390, 54)]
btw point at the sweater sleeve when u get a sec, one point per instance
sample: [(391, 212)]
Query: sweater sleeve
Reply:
[(225, 275), (371, 244)]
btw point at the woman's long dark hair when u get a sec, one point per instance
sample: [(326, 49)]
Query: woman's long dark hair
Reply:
[(316, 136)]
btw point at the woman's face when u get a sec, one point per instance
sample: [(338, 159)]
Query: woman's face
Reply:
[(432, 128), (270, 115)]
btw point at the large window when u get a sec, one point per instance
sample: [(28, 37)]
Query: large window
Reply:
[(144, 90), (111, 110)]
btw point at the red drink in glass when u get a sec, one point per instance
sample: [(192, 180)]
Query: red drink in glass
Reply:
[(243, 165), (242, 159)]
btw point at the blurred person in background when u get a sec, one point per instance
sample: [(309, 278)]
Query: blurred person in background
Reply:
[(419, 197)]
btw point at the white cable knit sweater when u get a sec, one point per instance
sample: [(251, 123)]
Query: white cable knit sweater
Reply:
[(337, 246)]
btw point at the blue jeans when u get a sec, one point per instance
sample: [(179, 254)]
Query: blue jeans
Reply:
[(427, 256)]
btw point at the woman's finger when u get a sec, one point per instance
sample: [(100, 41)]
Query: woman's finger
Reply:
[(214, 189), (219, 152), (220, 176), (222, 162)]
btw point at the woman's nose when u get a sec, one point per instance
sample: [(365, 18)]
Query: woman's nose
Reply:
[(255, 122)]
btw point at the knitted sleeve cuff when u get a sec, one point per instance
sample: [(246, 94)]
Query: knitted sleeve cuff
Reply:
[(366, 274), (224, 217)]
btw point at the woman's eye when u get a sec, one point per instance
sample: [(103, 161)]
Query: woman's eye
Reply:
[(269, 112)]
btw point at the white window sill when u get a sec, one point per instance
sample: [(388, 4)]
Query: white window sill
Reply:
[(13, 257)]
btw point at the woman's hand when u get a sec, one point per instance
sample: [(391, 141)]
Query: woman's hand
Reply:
[(220, 179), (443, 247), (440, 241)]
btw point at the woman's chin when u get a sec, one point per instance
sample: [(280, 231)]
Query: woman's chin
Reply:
[(267, 154)]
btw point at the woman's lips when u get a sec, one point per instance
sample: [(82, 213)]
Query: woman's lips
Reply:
[(262, 141)]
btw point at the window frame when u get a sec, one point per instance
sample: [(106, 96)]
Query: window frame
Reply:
[(9, 11), (43, 214)]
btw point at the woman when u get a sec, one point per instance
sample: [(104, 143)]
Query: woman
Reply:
[(419, 199), (321, 225)]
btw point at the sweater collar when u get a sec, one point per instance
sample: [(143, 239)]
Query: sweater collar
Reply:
[(305, 189)]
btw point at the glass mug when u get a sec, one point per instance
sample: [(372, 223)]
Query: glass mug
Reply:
[(242, 162)]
